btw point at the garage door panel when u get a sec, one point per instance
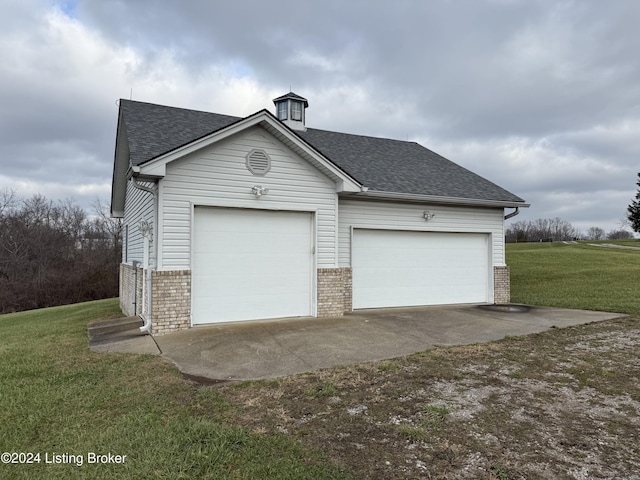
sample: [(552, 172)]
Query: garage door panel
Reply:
[(404, 268), (251, 284), (248, 262), (217, 286), (242, 243), (236, 308), (251, 264)]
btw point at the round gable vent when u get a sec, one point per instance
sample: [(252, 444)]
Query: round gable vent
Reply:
[(258, 162)]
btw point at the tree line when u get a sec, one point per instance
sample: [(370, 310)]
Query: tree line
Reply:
[(54, 253), (556, 229)]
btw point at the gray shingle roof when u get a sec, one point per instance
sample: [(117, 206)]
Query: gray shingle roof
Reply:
[(403, 167), (381, 164), (153, 130)]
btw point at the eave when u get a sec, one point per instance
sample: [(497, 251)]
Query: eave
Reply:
[(121, 166), (434, 199)]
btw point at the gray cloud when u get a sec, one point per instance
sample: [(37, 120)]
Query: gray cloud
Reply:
[(541, 97)]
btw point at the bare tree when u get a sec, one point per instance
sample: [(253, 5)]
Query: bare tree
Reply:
[(109, 228), (595, 233), (541, 230), (53, 254), (7, 201), (562, 229), (620, 234)]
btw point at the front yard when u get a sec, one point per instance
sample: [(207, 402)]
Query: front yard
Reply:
[(561, 404), (564, 404)]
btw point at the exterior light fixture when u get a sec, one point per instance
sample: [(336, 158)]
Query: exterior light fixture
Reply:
[(428, 215), (259, 190), (145, 229)]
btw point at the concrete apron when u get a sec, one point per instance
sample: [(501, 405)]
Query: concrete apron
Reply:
[(275, 348)]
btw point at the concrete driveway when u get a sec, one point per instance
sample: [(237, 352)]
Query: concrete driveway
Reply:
[(274, 348)]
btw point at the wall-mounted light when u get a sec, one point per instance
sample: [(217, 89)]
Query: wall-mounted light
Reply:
[(428, 215), (259, 190), (145, 229)]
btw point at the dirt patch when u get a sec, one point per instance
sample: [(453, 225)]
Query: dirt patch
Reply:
[(560, 404)]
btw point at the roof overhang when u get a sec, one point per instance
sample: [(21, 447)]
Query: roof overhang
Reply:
[(120, 170), (156, 167), (434, 199)]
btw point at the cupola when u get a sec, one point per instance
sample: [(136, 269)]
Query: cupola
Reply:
[(290, 109)]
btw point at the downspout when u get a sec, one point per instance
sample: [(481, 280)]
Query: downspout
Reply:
[(146, 328), (135, 288), (512, 214)]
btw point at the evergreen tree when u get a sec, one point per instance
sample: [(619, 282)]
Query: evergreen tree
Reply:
[(634, 210)]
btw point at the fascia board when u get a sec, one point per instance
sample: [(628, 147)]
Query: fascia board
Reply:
[(118, 192), (409, 197), (157, 170), (121, 165)]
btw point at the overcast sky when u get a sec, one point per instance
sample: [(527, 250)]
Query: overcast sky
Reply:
[(540, 97)]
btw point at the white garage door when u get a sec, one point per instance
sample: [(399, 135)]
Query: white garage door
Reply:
[(402, 268), (250, 264)]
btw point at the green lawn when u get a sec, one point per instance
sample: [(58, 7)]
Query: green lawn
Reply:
[(57, 397), (576, 275)]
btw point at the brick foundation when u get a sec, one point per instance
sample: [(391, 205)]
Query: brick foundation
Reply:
[(171, 305), (130, 303), (501, 285), (171, 294), (334, 291)]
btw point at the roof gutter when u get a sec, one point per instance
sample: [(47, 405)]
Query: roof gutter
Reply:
[(512, 214), (142, 187), (412, 197)]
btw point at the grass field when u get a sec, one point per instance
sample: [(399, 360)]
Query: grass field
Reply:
[(57, 397), (560, 404), (576, 276)]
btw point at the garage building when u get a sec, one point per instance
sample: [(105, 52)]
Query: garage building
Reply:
[(231, 219)]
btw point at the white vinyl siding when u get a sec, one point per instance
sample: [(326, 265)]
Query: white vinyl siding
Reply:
[(405, 216), (218, 176), (138, 207)]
